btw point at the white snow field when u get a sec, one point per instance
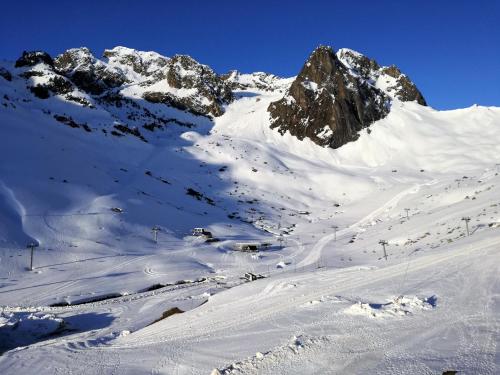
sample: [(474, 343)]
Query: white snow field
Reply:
[(331, 300)]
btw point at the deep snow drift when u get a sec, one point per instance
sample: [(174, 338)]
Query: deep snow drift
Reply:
[(331, 301)]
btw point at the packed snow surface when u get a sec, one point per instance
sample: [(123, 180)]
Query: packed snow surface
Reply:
[(105, 297)]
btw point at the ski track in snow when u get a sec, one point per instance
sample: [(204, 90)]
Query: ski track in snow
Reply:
[(315, 253)]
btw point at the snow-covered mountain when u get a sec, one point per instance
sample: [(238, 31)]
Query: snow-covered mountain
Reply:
[(97, 151), (123, 83), (330, 101)]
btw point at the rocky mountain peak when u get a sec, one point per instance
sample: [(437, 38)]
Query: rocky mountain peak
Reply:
[(320, 67), (74, 58), (33, 58), (87, 72), (388, 78), (326, 103), (184, 71), (198, 88), (142, 63)]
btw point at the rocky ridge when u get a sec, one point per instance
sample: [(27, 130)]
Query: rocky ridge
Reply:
[(180, 82), (387, 78), (330, 101), (193, 86)]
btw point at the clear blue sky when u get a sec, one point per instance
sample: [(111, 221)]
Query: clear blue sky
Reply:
[(451, 49)]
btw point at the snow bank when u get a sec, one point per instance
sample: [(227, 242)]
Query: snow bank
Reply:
[(399, 306)]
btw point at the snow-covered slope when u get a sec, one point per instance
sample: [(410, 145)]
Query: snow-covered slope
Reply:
[(331, 302)]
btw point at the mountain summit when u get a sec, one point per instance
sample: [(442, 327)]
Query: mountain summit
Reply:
[(336, 95), (179, 82)]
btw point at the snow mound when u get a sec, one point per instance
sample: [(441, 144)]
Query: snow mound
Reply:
[(400, 306), (297, 345)]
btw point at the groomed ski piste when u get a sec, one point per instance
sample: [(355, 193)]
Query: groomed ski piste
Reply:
[(104, 298)]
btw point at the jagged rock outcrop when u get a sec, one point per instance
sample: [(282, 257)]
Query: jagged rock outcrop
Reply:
[(33, 58), (184, 104), (405, 90), (180, 82), (42, 80), (59, 85), (387, 78), (326, 103), (145, 64), (119, 86), (86, 72), (192, 86)]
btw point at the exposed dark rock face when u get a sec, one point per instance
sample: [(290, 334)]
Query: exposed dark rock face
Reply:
[(59, 85), (405, 90), (31, 73), (84, 102), (328, 104), (133, 131), (184, 104), (209, 91), (400, 87), (71, 123), (40, 91), (4, 73), (56, 85), (86, 72), (33, 58)]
